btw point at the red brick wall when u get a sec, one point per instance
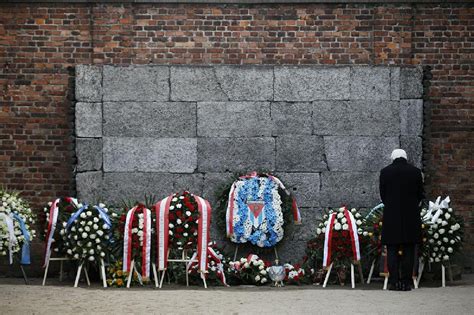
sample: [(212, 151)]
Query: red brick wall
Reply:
[(40, 44)]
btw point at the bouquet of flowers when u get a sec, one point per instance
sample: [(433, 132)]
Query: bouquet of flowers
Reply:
[(117, 277), (16, 221), (445, 231), (373, 232), (54, 215), (294, 274), (250, 270), (86, 234), (216, 265), (183, 221)]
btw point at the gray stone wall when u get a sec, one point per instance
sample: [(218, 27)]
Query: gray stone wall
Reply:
[(326, 131)]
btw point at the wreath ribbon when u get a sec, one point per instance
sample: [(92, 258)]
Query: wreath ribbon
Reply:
[(11, 234)]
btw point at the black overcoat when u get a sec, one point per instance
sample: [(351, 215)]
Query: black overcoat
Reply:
[(401, 190)]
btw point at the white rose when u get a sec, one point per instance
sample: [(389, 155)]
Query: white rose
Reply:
[(95, 226), (89, 223), (185, 234), (343, 220), (439, 221), (341, 209), (263, 280), (323, 230), (140, 233), (450, 250), (445, 257), (50, 203), (345, 227), (263, 272), (340, 215), (84, 235), (83, 215), (179, 206), (171, 207), (170, 232), (188, 213), (450, 209), (186, 226), (171, 225), (96, 219), (178, 221), (358, 222), (87, 229), (444, 223), (91, 251), (318, 231), (452, 242), (102, 254), (445, 239), (69, 251), (89, 213), (174, 199), (441, 231), (358, 215), (365, 233), (436, 235), (97, 241), (246, 265), (437, 259), (447, 216), (93, 236), (89, 244), (257, 278), (135, 230), (181, 197), (105, 226), (337, 226), (431, 241), (91, 258), (76, 256)]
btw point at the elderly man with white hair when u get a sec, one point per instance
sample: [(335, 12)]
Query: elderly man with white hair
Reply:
[(401, 190)]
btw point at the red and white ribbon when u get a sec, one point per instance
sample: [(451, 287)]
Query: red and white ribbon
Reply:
[(53, 219), (229, 216), (328, 240), (219, 266), (203, 227), (146, 244), (162, 209), (353, 233), (294, 206)]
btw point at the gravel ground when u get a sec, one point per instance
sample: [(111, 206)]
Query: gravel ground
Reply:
[(61, 298)]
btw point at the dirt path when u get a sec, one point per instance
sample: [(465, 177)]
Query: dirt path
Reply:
[(16, 298)]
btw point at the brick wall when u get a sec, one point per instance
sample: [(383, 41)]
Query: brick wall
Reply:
[(41, 43)]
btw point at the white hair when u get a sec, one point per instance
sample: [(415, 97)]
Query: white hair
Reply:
[(398, 153)]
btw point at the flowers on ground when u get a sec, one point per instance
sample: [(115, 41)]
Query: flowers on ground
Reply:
[(250, 270)]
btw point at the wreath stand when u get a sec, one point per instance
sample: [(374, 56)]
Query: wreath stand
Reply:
[(25, 278), (443, 272), (326, 279), (82, 267), (61, 261), (184, 259), (274, 248), (133, 269)]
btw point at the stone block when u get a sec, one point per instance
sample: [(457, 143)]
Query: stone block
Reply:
[(356, 118), (236, 154), (173, 155), (89, 154), (88, 83), (135, 186), (413, 146), (307, 229), (353, 154), (246, 83), (300, 153), (214, 185), (411, 83), (291, 118), (311, 83), (88, 120), (234, 119), (150, 119), (196, 83), (136, 83), (411, 117), (305, 187), (395, 83), (89, 187), (370, 83), (354, 189)]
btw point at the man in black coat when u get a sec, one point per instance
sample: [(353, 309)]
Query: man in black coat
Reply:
[(401, 190)]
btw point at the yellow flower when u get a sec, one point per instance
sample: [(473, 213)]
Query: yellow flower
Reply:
[(371, 234), (119, 273), (135, 276), (422, 226), (119, 282), (380, 223), (400, 252), (109, 282)]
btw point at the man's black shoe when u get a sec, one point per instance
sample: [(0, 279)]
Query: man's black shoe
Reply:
[(405, 287), (394, 287)]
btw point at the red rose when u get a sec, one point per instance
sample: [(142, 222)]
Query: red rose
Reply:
[(179, 213)]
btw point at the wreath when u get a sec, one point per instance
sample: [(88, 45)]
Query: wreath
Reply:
[(255, 208)]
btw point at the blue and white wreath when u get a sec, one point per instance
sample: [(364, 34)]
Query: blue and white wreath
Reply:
[(254, 211)]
